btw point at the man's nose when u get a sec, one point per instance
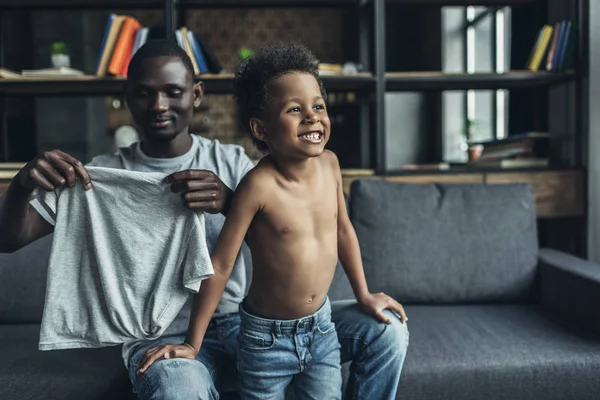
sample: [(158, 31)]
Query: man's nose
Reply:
[(160, 102)]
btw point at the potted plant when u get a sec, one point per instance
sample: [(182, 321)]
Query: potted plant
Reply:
[(60, 55)]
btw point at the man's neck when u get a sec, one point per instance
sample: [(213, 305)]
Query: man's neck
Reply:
[(180, 145)]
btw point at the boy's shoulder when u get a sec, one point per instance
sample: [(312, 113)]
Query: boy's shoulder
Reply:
[(261, 175), (330, 160)]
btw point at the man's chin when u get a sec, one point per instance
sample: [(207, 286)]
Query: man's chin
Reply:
[(161, 135)]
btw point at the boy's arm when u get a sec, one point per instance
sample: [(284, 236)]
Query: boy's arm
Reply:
[(349, 254), (246, 202)]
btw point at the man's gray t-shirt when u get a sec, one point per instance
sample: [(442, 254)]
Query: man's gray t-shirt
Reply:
[(230, 163), (124, 259)]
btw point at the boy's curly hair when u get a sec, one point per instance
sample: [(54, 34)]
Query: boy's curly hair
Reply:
[(255, 76)]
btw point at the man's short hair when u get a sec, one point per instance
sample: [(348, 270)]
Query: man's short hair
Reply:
[(255, 76), (159, 48)]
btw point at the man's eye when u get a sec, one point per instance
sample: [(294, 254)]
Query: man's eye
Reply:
[(175, 93), (142, 93)]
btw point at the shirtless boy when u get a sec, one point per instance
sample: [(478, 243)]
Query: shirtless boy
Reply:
[(291, 211)]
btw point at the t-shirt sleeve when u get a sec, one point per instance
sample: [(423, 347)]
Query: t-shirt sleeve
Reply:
[(45, 204), (245, 164), (197, 265)]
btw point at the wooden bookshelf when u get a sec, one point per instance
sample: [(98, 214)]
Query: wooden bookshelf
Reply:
[(403, 81), (270, 3), (464, 2), (223, 83), (79, 4), (94, 86)]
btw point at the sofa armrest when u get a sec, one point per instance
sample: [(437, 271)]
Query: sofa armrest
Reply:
[(570, 287)]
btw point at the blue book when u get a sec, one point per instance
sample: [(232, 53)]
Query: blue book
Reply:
[(563, 49), (202, 66), (111, 17)]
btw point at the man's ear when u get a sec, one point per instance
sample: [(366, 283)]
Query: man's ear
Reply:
[(258, 129), (198, 93), (127, 92)]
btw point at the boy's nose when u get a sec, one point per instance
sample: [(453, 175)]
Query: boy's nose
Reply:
[(311, 119)]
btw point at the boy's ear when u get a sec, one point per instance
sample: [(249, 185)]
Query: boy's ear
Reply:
[(198, 93), (258, 129)]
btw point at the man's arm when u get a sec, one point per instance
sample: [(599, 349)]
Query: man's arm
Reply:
[(20, 223), (246, 202), (350, 257)]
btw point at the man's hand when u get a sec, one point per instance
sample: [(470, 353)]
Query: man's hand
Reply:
[(183, 350), (51, 170), (201, 190), (374, 304)]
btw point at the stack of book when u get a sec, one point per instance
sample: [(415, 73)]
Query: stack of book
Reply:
[(554, 49), (124, 35), (530, 149)]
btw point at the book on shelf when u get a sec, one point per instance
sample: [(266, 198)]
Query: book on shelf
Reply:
[(124, 35), (554, 48), (517, 150), (45, 73), (441, 166), (517, 162)]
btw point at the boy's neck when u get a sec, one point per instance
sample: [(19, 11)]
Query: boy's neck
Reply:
[(176, 147), (295, 170)]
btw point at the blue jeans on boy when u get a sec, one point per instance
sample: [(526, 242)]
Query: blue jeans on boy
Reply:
[(274, 354), (377, 351)]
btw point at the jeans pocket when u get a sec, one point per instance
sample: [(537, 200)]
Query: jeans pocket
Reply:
[(256, 342), (325, 327)]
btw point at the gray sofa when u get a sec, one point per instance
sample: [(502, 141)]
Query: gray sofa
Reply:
[(491, 316)]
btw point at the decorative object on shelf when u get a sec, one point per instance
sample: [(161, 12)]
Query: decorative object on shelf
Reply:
[(60, 55), (245, 53)]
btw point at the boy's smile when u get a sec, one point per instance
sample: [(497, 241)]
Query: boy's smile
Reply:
[(295, 122)]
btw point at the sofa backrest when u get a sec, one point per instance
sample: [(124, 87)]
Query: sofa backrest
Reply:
[(447, 243), (23, 282)]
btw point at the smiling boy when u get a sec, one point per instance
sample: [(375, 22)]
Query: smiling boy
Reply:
[(291, 210)]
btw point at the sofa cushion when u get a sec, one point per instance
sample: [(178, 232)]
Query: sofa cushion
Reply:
[(23, 282), (27, 373), (447, 243), (503, 352)]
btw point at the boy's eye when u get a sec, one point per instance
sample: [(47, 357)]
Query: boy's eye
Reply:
[(320, 107), (294, 109)]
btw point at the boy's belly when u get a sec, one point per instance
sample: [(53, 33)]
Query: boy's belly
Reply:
[(292, 283)]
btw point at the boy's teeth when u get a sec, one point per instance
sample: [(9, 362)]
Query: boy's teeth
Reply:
[(312, 136)]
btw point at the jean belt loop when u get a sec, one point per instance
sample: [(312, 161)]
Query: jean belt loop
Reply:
[(278, 328)]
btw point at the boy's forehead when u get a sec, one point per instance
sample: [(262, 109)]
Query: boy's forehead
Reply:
[(295, 84)]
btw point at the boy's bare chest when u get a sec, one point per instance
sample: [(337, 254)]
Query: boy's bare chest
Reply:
[(302, 212)]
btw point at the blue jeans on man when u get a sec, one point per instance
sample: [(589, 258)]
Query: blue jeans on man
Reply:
[(377, 351)]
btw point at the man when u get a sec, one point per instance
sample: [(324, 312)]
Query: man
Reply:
[(162, 94)]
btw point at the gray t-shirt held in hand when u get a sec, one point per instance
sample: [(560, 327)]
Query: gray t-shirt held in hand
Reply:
[(124, 258), (230, 164)]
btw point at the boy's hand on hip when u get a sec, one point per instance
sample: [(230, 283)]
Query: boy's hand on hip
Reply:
[(201, 190), (167, 351), (374, 304)]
